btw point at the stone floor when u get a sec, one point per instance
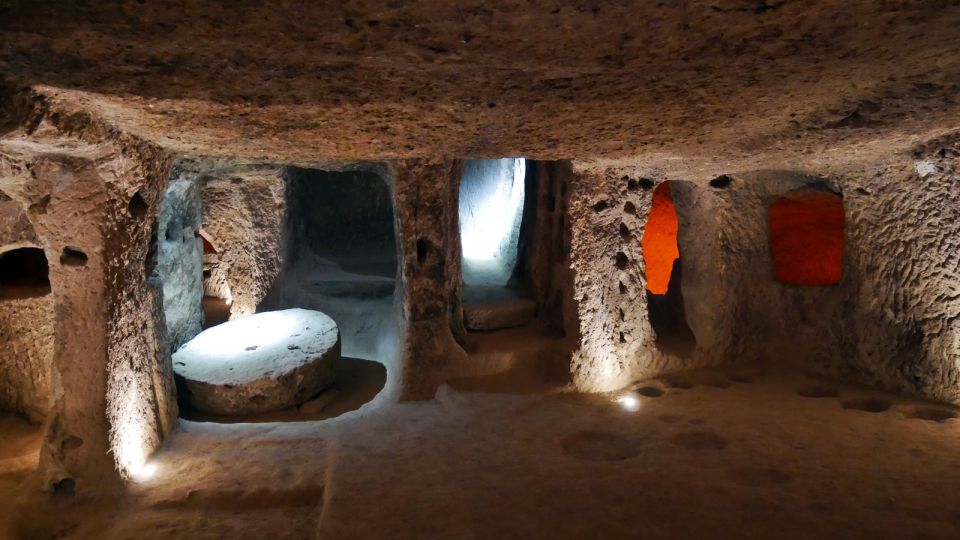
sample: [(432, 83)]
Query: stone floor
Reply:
[(751, 453)]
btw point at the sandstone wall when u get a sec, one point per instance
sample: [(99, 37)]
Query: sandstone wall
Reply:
[(889, 322), (544, 262), (91, 194), (243, 213), (427, 301), (903, 232), (608, 212), (26, 329), (180, 259)]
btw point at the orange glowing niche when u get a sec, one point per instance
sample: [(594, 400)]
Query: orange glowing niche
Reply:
[(659, 242), (806, 230)]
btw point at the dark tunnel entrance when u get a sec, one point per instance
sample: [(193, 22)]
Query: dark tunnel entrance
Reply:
[(24, 273)]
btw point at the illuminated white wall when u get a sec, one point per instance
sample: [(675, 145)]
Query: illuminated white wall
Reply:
[(491, 208)]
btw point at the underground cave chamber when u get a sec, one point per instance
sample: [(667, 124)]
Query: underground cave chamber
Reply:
[(664, 267)]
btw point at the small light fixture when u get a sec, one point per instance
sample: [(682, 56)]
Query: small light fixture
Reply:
[(143, 472), (629, 401)]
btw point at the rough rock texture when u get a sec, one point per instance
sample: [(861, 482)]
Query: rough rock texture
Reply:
[(111, 385), (26, 329), (26, 349), (261, 363), (888, 322), (544, 245), (902, 230), (243, 214), (499, 313), (180, 259), (616, 340), (429, 320), (708, 85)]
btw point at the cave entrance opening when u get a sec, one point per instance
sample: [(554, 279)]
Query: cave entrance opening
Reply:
[(492, 210), (340, 254), (24, 273), (664, 268)]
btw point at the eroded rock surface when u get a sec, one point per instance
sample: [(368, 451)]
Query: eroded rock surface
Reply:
[(180, 259)]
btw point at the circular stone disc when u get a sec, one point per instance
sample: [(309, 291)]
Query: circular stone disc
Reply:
[(260, 363)]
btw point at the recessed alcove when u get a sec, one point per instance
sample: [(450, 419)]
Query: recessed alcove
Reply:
[(335, 238), (340, 253), (806, 236), (24, 273), (664, 269), (491, 209), (340, 258), (216, 309)]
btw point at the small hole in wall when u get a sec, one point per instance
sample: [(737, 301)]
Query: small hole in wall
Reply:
[(623, 338), (72, 256), (64, 487), (622, 260), (629, 208), (138, 206), (624, 231), (623, 288), (423, 248), (40, 207), (646, 184), (600, 206), (721, 181), (631, 183)]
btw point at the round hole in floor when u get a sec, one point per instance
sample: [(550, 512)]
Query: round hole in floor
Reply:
[(868, 404), (649, 391), (932, 414)]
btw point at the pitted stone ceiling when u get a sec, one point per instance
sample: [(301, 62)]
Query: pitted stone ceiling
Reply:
[(695, 85)]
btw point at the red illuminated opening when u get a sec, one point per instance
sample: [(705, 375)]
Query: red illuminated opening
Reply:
[(659, 242), (661, 253), (806, 229)]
